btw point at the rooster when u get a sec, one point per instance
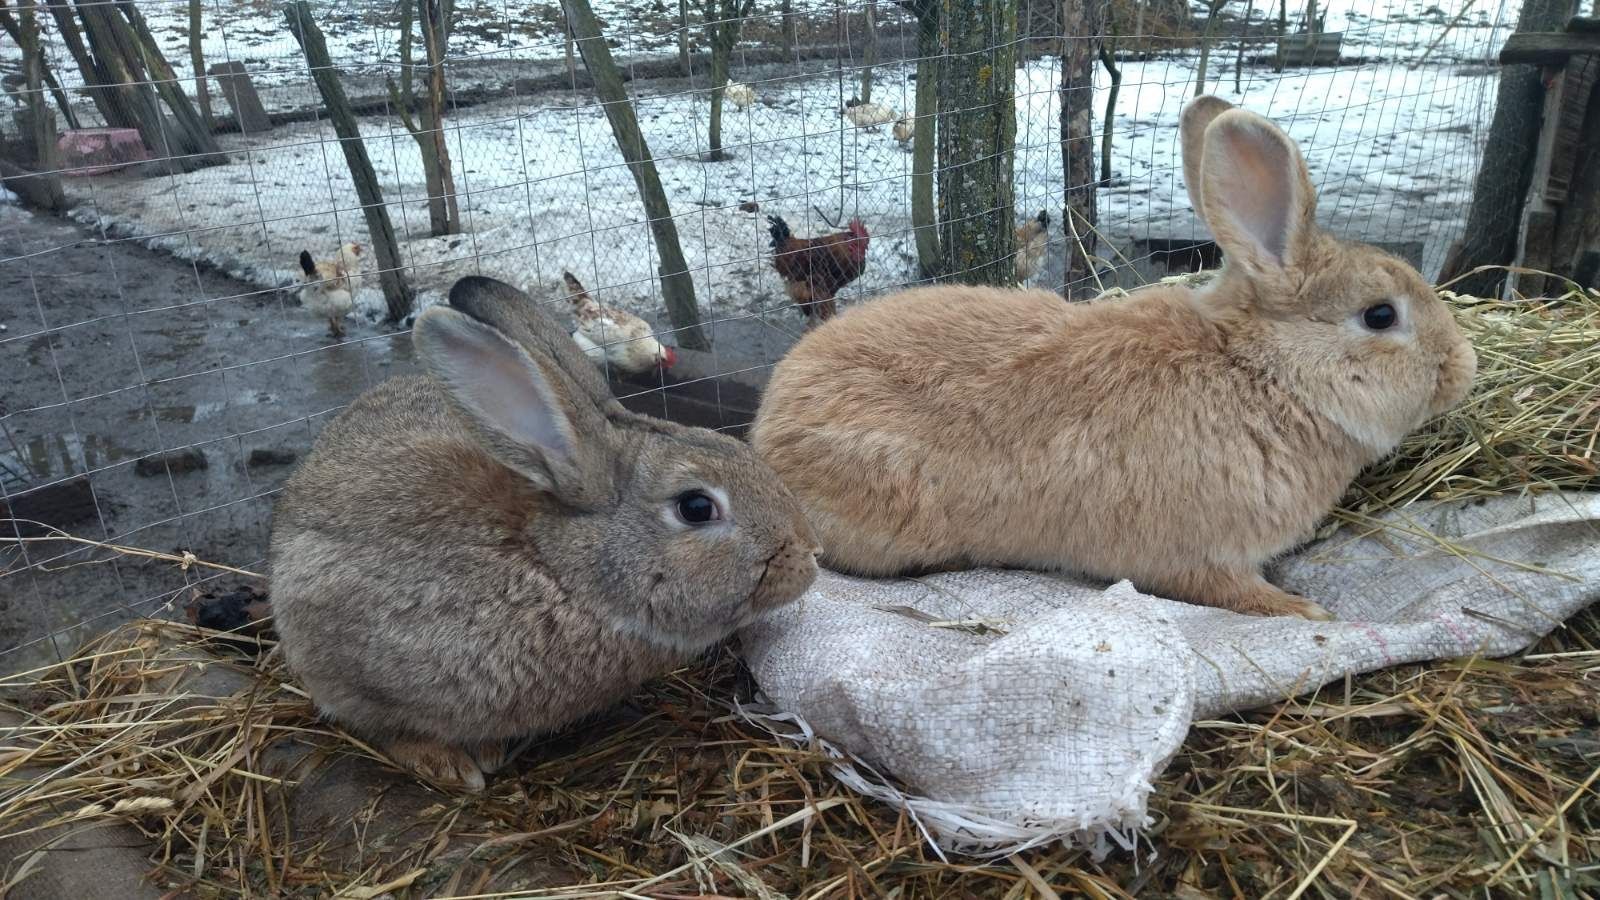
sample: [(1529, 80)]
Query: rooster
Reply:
[(1032, 237), (615, 337), (814, 269), (328, 287)]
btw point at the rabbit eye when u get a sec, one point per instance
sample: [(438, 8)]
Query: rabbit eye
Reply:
[(698, 508), (1380, 317)]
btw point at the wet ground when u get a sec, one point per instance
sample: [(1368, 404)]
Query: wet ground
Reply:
[(154, 404)]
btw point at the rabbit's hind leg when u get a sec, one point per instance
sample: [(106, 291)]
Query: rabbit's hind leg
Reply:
[(1248, 593), (438, 762)]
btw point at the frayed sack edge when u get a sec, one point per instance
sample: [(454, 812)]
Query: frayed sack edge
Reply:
[(952, 827)]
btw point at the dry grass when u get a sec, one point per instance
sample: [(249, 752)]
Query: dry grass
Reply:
[(1473, 778)]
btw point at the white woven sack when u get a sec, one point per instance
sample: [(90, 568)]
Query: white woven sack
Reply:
[(1005, 709)]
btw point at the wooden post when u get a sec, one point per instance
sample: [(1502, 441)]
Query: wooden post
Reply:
[(869, 57), (677, 286), (304, 28), (103, 95), (1505, 172)]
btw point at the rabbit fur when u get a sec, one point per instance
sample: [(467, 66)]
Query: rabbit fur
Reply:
[(1175, 437), (498, 548)]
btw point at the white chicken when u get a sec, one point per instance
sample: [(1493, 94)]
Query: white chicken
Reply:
[(1032, 238), (905, 128), (1031, 241), (615, 337), (328, 287), (867, 115), (739, 94)]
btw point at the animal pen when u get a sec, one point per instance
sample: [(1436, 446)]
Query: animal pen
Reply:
[(167, 360)]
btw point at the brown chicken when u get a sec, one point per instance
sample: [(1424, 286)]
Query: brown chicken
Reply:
[(814, 269)]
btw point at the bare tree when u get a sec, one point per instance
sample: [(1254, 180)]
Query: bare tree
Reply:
[(791, 28), (14, 30), (425, 121), (1081, 26), (976, 140), (724, 20), (677, 287)]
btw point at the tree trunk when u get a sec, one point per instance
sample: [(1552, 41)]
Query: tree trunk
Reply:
[(870, 55), (1108, 58), (104, 96), (1212, 10), (677, 287), (1498, 195), (117, 66), (200, 145), (380, 231), (197, 59), (791, 28), (1079, 217), (44, 189), (1283, 30), (444, 214), (924, 222), (1244, 40), (719, 81), (13, 29), (977, 133), (683, 38)]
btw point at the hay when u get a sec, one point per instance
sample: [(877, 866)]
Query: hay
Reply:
[(1469, 778)]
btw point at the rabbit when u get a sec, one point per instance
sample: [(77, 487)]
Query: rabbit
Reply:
[(1177, 438), (497, 548)]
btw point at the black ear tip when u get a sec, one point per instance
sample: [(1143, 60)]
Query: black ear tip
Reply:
[(466, 288)]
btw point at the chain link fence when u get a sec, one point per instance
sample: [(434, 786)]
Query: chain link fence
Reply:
[(163, 369)]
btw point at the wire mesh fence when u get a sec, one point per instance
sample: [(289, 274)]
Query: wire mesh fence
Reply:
[(165, 366)]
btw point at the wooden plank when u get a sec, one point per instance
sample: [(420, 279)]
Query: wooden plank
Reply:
[(1547, 48), (1569, 106), (240, 92)]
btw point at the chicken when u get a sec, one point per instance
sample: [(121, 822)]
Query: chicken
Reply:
[(814, 269), (328, 287), (615, 337), (867, 115), (740, 95), (1032, 237), (905, 128)]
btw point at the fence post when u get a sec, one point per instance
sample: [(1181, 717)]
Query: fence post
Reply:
[(304, 28)]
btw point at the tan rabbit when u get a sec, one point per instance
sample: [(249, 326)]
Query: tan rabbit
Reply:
[(1178, 438), (498, 548)]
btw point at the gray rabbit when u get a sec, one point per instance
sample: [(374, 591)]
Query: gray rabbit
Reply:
[(498, 548)]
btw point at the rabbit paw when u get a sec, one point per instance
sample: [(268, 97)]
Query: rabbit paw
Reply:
[(1254, 596), (439, 763), (492, 756)]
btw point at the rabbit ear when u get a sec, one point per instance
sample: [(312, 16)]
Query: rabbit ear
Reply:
[(1197, 115), (522, 319), (519, 409), (1256, 194)]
